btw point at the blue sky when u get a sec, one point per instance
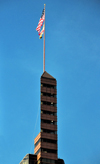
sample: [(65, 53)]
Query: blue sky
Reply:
[(72, 57)]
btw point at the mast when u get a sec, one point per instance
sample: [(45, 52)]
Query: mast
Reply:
[(44, 43)]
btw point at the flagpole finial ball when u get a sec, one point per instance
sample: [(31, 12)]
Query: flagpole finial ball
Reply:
[(44, 4)]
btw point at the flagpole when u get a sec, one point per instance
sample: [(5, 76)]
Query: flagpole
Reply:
[(44, 43)]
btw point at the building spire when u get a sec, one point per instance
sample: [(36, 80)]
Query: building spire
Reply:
[(44, 43), (40, 33)]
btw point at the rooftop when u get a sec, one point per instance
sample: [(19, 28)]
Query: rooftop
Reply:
[(47, 75)]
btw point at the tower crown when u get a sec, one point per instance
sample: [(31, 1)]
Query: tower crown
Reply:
[(47, 75)]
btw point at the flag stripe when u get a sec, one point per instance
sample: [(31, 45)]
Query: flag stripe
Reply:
[(41, 33), (42, 18)]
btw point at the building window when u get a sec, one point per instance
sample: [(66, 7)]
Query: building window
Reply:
[(37, 142), (49, 131), (49, 141), (48, 112), (48, 86), (49, 151), (49, 122), (47, 94), (38, 151)]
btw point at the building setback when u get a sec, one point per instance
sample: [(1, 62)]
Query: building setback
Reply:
[(46, 151)]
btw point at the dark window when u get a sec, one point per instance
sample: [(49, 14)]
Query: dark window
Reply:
[(48, 94), (48, 103), (48, 122), (48, 112), (49, 131), (49, 151), (49, 141), (49, 86), (48, 160)]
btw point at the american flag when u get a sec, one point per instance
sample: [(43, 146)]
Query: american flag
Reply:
[(41, 21)]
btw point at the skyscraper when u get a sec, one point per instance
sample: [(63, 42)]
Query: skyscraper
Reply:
[(46, 141)]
